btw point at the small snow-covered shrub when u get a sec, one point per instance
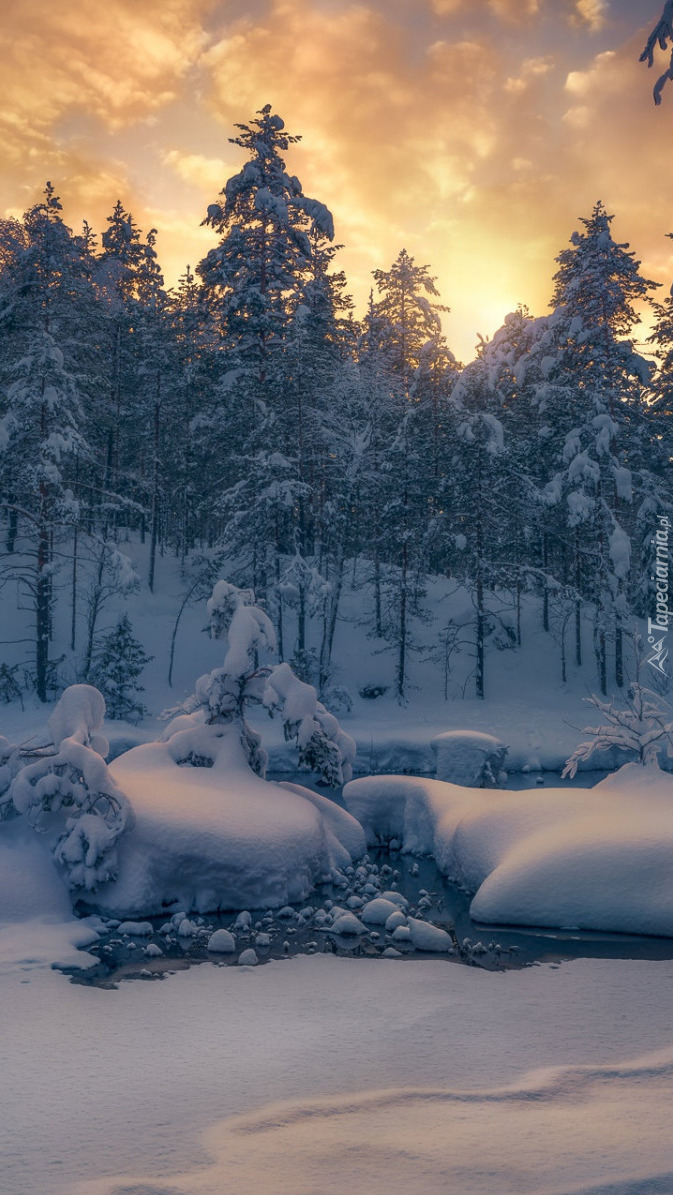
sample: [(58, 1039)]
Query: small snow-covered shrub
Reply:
[(222, 696), (371, 692), (10, 689), (306, 665), (639, 727), (71, 776), (338, 698)]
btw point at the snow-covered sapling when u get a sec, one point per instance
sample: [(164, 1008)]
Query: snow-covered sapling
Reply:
[(223, 695), (71, 775), (117, 666), (640, 726)]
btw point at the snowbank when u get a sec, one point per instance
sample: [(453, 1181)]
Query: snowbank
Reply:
[(37, 928), (599, 858), (219, 837)]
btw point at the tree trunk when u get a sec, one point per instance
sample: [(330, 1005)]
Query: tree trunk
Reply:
[(155, 487), (402, 628), (619, 655), (42, 608), (545, 596), (578, 603), (12, 526)]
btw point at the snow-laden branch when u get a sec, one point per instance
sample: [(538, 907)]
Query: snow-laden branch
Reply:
[(661, 36), (639, 727), (74, 777)]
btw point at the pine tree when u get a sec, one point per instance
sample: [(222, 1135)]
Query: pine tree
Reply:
[(405, 322), (46, 289), (256, 281), (598, 380), (117, 666)]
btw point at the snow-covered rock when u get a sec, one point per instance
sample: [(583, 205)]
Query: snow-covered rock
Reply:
[(348, 924), (395, 920), (136, 929), (429, 937), (377, 911), (248, 958), (221, 942), (469, 758), (599, 858), (220, 837)]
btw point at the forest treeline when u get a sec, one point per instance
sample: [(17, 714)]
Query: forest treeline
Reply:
[(248, 422)]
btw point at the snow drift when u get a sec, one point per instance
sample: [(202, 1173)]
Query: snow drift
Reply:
[(599, 858)]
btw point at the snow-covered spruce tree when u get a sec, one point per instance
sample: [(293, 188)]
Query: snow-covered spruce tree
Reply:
[(482, 486), (402, 324), (70, 777), (271, 239), (222, 696), (595, 385), (118, 663), (640, 726), (43, 303), (118, 264), (188, 458), (348, 473)]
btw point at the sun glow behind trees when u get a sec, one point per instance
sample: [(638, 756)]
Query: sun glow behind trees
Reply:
[(462, 131)]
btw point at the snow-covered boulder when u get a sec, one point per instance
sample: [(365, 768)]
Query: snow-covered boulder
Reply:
[(599, 858), (219, 836), (221, 942), (377, 911), (470, 758)]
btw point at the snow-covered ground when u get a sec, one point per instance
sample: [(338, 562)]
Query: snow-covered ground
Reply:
[(324, 1074), (320, 1074)]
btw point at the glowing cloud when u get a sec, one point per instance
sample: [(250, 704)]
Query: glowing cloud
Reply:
[(471, 132)]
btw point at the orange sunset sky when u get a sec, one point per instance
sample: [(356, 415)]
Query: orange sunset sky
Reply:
[(473, 133)]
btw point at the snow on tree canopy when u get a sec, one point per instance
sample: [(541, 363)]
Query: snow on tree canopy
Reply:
[(247, 628)]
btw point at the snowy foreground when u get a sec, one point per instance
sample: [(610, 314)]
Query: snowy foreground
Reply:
[(323, 1075)]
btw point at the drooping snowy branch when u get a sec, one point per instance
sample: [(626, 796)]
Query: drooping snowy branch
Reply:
[(661, 36), (75, 777), (639, 727)]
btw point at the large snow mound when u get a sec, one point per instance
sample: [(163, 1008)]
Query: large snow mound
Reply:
[(599, 858), (220, 837)]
